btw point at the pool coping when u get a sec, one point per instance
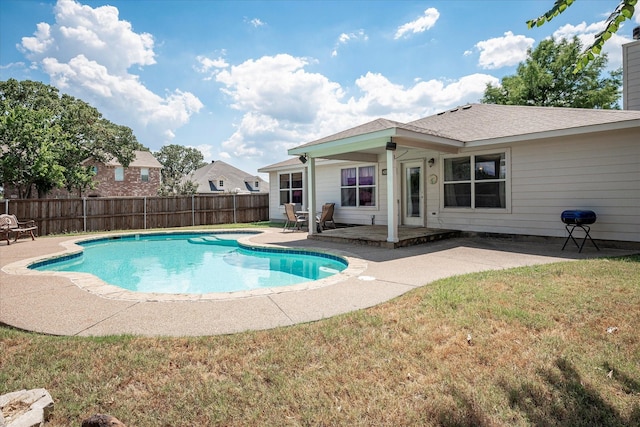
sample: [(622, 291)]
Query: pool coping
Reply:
[(94, 285)]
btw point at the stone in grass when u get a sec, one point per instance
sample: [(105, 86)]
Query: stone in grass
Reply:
[(102, 420), (25, 408)]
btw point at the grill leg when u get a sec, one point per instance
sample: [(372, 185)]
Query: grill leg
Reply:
[(586, 229), (570, 236)]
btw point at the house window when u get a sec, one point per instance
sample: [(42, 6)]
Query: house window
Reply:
[(358, 186), (291, 188), (119, 174), (257, 184), (477, 181), (144, 174), (221, 183), (94, 170)]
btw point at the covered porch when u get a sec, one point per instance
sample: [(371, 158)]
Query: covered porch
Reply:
[(377, 235), (401, 155)]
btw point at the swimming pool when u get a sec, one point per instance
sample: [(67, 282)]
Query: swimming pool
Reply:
[(193, 263)]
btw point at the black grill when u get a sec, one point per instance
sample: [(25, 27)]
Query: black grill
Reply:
[(578, 219)]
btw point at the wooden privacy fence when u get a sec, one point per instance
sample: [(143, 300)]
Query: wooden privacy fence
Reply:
[(56, 216)]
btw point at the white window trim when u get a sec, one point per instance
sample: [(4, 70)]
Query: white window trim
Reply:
[(507, 181), (290, 189), (375, 207)]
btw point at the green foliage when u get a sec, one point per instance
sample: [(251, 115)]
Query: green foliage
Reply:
[(178, 162), (546, 78), (46, 138), (625, 10)]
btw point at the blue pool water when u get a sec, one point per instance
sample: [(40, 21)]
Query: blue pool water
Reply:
[(193, 264)]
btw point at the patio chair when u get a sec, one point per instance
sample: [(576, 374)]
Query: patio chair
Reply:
[(10, 224), (326, 216), (293, 219)]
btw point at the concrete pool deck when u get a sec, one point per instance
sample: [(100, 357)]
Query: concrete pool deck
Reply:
[(57, 305)]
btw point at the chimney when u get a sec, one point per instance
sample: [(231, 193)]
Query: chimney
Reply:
[(631, 73)]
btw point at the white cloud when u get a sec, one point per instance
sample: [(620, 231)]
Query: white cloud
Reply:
[(283, 105), (420, 25), (40, 41), (345, 38), (88, 52), (503, 51), (586, 34), (256, 22)]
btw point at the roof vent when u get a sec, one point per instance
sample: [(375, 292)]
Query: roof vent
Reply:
[(636, 33)]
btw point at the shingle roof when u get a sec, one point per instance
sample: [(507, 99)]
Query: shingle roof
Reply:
[(485, 122), (233, 178), (476, 122), (143, 159)]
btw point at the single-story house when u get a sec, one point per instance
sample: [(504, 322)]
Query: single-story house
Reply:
[(220, 177), (476, 168)]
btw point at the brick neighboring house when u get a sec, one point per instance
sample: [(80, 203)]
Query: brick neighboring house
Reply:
[(141, 178)]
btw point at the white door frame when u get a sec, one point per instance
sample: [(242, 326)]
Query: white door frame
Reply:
[(415, 203)]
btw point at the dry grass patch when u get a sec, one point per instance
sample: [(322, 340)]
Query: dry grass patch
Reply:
[(540, 354)]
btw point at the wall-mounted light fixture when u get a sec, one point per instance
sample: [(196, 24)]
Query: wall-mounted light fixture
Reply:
[(431, 162), (303, 159), (391, 146)]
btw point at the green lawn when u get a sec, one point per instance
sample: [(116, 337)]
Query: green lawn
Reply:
[(540, 354)]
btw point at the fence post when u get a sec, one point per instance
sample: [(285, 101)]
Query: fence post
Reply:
[(84, 214), (235, 221), (6, 206), (145, 212), (193, 210)]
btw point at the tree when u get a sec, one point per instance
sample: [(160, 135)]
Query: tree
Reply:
[(546, 78), (178, 162), (45, 139), (625, 10)]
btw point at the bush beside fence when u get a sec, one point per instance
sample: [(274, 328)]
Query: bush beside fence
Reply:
[(57, 216)]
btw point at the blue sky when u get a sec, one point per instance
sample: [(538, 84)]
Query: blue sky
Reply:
[(243, 81)]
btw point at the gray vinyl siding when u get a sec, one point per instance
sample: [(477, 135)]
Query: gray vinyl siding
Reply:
[(594, 172)]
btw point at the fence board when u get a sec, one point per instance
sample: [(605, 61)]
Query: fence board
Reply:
[(57, 216)]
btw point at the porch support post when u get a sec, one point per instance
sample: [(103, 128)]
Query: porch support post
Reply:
[(311, 194), (392, 197)]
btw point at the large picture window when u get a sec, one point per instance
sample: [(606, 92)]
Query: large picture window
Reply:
[(291, 188), (477, 181), (358, 186)]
